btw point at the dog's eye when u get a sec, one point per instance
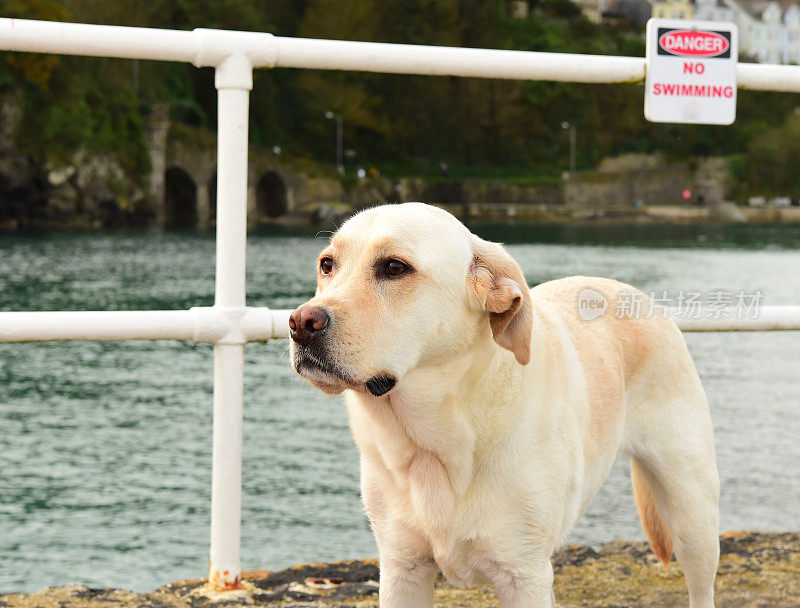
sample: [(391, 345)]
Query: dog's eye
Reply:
[(326, 265), (395, 268)]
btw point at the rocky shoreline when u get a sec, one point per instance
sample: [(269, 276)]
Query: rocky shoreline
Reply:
[(757, 570)]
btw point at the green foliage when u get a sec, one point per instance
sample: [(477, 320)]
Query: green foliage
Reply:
[(82, 105), (561, 8), (770, 166), (398, 123), (30, 68)]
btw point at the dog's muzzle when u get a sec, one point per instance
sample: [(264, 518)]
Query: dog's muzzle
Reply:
[(308, 326)]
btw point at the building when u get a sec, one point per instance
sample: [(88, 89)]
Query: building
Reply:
[(767, 32), (673, 9), (636, 12), (591, 9), (791, 47), (714, 10), (727, 10), (519, 9)]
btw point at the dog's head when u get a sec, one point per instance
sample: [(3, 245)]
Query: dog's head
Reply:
[(404, 286)]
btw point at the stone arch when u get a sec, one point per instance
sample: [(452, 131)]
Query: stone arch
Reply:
[(272, 196), (180, 199)]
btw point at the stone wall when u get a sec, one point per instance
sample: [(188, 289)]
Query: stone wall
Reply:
[(94, 191), (478, 192), (622, 181), (87, 191), (290, 185), (312, 190)]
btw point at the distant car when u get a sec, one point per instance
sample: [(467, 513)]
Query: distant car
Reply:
[(756, 201)]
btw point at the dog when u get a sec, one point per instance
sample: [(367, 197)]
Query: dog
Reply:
[(487, 415)]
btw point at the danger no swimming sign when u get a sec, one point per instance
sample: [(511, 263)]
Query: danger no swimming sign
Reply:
[(691, 71)]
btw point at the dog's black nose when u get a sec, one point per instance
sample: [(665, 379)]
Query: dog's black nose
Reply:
[(307, 322)]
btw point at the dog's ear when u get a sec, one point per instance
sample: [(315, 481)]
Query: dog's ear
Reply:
[(498, 282)]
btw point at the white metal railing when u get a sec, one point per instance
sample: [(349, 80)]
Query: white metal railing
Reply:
[(229, 324)]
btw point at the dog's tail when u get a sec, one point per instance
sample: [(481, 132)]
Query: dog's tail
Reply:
[(653, 523)]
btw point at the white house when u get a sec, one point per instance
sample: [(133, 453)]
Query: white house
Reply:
[(791, 49), (769, 37), (713, 10)]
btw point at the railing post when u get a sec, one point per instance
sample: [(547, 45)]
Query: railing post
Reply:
[(234, 80)]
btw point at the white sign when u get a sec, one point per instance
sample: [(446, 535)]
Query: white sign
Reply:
[(691, 71)]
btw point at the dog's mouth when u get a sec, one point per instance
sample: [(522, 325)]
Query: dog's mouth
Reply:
[(380, 385), (331, 378), (320, 372)]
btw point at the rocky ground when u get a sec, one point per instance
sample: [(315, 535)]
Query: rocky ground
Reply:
[(756, 571)]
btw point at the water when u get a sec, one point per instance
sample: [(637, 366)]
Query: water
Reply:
[(105, 447)]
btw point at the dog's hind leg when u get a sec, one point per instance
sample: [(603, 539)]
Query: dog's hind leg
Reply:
[(677, 491)]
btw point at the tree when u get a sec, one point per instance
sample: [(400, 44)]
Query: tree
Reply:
[(771, 166)]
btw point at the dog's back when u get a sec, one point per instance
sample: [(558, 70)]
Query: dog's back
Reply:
[(644, 390)]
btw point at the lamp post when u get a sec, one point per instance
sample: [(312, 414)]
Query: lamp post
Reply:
[(339, 140), (573, 134)]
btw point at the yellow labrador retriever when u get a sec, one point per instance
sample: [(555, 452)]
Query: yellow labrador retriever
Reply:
[(487, 414)]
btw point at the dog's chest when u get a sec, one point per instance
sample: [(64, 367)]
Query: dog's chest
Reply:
[(424, 498), (425, 487), (464, 563)]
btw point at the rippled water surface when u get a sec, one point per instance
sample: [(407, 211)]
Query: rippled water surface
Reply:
[(105, 447)]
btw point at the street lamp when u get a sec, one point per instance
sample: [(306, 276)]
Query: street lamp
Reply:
[(573, 134), (339, 140)]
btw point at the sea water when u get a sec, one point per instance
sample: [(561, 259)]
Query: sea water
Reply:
[(105, 448)]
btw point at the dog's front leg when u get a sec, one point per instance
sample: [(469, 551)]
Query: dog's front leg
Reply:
[(407, 568), (528, 587), (406, 584)]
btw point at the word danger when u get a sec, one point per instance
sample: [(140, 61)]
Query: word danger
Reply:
[(688, 43), (692, 90)]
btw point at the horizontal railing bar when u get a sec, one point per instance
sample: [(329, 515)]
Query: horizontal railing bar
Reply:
[(97, 325), (492, 63), (213, 324), (455, 61), (767, 318), (98, 40), (768, 77), (252, 324), (210, 47)]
